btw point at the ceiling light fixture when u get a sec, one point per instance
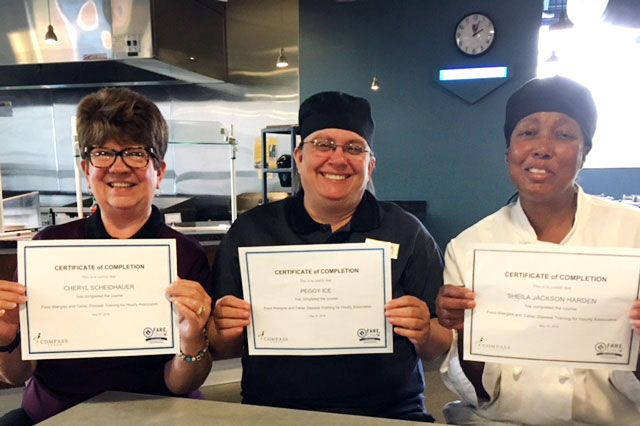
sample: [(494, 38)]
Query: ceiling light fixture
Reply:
[(50, 37), (375, 84), (282, 60)]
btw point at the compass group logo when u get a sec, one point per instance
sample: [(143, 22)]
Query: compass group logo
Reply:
[(49, 341), (272, 339)]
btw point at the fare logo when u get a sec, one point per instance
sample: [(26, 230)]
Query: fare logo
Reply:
[(155, 334), (369, 334), (608, 349)]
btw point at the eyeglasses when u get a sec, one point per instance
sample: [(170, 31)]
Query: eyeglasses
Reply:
[(136, 158), (327, 146)]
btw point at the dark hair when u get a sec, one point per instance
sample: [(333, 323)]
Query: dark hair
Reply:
[(122, 115)]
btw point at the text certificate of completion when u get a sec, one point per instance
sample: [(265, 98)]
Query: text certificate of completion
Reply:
[(324, 299), (543, 304), (97, 298)]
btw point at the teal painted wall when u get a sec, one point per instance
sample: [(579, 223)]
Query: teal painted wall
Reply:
[(430, 144)]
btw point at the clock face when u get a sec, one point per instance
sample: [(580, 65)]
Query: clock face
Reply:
[(475, 34)]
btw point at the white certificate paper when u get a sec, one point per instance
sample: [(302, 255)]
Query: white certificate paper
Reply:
[(324, 299), (542, 304), (97, 298)]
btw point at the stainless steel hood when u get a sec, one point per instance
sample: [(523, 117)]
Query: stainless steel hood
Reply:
[(112, 42)]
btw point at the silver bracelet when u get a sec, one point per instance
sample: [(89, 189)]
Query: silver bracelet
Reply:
[(199, 355)]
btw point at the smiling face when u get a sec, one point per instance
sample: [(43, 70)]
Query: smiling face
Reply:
[(122, 191), (545, 154), (333, 177)]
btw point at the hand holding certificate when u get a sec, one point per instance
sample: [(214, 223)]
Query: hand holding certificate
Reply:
[(561, 305), (317, 299)]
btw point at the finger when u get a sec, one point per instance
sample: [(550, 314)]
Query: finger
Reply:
[(411, 311), (414, 336), (6, 305), (185, 288), (12, 296), (233, 302), (185, 312), (198, 302), (409, 323), (404, 301), (200, 308), (227, 324), (222, 311), (191, 325), (231, 314), (9, 305), (456, 291), (12, 287), (454, 303), (231, 332)]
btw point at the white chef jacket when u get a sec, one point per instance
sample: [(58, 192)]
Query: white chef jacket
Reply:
[(543, 395)]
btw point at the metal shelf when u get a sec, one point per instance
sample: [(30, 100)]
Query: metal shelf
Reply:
[(293, 131)]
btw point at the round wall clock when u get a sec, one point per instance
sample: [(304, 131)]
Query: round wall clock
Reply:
[(475, 34)]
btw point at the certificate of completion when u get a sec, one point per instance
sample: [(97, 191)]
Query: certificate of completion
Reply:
[(543, 304), (323, 299), (97, 298)]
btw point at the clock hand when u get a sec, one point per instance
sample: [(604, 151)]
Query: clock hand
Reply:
[(477, 32)]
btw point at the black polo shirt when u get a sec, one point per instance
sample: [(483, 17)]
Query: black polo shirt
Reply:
[(383, 385)]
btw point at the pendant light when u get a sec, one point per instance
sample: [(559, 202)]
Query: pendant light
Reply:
[(50, 37), (282, 60), (375, 84)]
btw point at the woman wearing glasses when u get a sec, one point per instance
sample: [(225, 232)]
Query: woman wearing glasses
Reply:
[(335, 164), (123, 138)]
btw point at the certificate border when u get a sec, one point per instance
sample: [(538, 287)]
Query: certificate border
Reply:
[(473, 281), (151, 349), (363, 348)]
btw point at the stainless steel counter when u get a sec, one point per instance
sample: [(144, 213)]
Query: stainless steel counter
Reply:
[(120, 408)]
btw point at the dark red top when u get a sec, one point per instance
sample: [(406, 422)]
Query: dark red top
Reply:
[(59, 384)]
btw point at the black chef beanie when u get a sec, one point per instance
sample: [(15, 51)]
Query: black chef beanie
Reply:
[(554, 94), (336, 110)]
